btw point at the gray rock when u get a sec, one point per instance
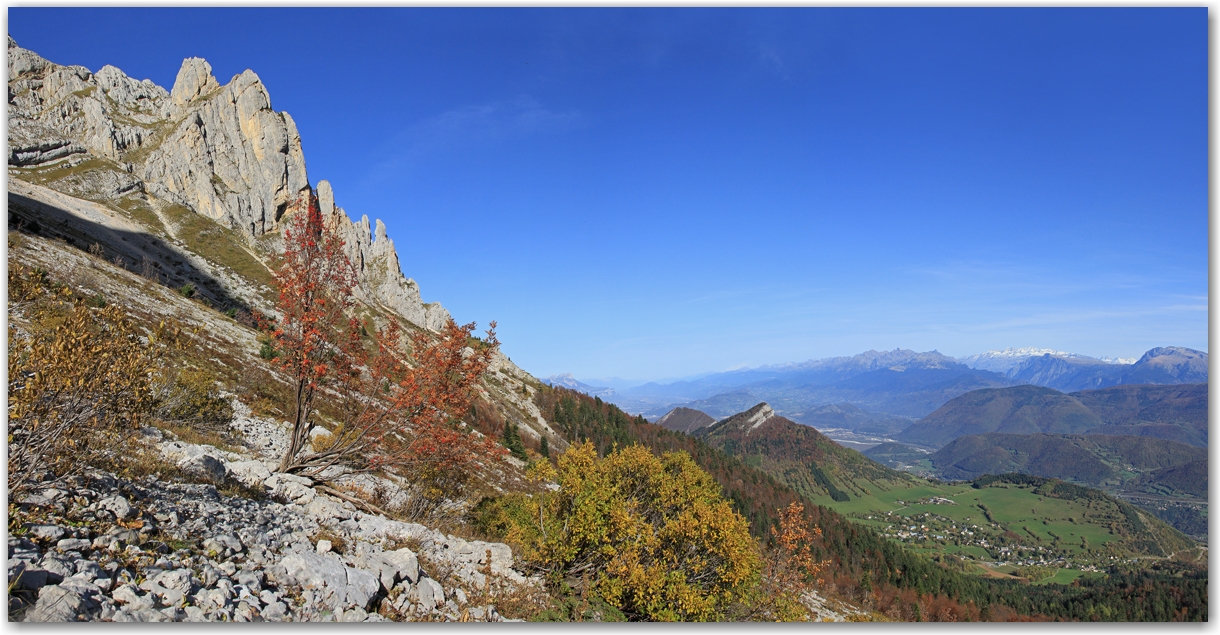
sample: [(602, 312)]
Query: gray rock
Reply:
[(57, 604), (245, 613), (179, 580), (119, 506), (250, 473), (229, 541), (209, 575), (205, 467), (361, 586), (125, 537), (424, 596), (127, 594), (275, 612), (211, 599), (332, 583), (58, 567), (354, 615), (225, 588), (405, 563), (73, 544), (50, 533), (89, 569), (252, 580), (23, 576)]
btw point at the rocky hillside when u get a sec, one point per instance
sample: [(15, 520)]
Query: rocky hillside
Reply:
[(169, 205), (152, 550)]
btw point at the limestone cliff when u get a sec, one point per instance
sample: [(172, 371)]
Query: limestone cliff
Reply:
[(220, 151)]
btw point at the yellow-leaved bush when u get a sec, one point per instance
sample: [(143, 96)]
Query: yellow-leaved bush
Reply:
[(79, 380), (651, 536)]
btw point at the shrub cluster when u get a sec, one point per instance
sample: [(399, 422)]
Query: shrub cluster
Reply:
[(78, 379), (648, 535)]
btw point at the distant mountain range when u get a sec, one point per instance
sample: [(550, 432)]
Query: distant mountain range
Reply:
[(1009, 358), (1167, 365), (896, 384), (566, 380)]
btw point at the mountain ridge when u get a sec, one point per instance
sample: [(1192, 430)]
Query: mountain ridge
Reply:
[(219, 151)]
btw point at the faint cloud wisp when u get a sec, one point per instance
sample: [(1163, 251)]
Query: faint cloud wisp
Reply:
[(470, 126)]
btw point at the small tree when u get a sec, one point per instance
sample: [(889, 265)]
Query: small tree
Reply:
[(790, 572), (399, 411), (512, 441), (316, 339)]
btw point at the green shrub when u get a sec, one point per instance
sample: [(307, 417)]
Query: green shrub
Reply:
[(268, 351), (187, 290), (190, 398)]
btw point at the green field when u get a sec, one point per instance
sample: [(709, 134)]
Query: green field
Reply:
[(1066, 576), (1023, 526)]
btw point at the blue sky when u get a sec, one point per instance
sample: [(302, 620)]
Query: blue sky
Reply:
[(652, 193)]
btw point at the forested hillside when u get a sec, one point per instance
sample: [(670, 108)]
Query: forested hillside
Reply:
[(798, 455), (1097, 460), (1172, 412), (872, 570)]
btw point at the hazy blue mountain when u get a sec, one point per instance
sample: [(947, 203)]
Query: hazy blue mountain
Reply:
[(1008, 359), (566, 380), (1172, 412), (899, 382), (1017, 410), (1177, 412), (1163, 365)]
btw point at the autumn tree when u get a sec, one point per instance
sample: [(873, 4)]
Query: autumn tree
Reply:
[(790, 570), (398, 396)]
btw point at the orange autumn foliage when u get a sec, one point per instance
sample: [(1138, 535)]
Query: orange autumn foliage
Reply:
[(401, 397)]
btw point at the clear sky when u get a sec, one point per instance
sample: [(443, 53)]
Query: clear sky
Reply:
[(652, 193)]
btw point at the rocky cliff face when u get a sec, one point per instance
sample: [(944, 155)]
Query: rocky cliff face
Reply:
[(219, 151)]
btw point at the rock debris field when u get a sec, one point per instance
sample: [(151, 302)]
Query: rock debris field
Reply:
[(108, 549)]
